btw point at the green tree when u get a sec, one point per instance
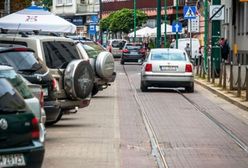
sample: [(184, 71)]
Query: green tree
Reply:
[(122, 21)]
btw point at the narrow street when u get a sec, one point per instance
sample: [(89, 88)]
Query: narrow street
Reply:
[(122, 127)]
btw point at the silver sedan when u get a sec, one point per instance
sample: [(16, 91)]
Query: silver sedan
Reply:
[(167, 67)]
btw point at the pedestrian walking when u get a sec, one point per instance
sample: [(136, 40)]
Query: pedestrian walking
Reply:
[(225, 49), (187, 49)]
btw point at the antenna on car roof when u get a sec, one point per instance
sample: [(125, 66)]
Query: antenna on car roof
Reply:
[(17, 31)]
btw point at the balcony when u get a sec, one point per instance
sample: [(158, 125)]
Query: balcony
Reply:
[(88, 8)]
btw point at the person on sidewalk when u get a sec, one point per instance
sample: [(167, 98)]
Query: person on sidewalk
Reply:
[(187, 49), (225, 49)]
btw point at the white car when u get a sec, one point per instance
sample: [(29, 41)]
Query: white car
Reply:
[(167, 67)]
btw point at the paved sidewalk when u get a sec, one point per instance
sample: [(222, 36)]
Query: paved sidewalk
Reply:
[(228, 95)]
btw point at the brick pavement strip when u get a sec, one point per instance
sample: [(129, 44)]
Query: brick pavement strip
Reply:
[(90, 138)]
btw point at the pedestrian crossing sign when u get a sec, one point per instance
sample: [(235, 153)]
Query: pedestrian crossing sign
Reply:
[(189, 12)]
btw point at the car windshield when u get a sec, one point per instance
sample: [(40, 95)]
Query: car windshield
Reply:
[(17, 82), (92, 49), (10, 100), (166, 56), (20, 60), (133, 46)]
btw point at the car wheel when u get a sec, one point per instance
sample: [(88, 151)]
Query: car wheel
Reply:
[(95, 90), (190, 89), (122, 62), (143, 87), (50, 123), (78, 79)]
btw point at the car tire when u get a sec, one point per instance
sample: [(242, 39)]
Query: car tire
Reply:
[(78, 79), (143, 87), (190, 89), (104, 65), (94, 90), (50, 123)]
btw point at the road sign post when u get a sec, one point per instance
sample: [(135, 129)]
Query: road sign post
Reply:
[(189, 12), (165, 23), (158, 41), (134, 19), (177, 22)]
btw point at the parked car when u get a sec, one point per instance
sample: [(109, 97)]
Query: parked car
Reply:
[(167, 68), (115, 46), (133, 52), (19, 131), (32, 102), (69, 78), (101, 61)]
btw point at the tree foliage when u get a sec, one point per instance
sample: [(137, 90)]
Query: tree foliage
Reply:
[(123, 21)]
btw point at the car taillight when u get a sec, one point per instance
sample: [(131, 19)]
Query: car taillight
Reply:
[(41, 99), (36, 129), (125, 51), (142, 50), (188, 68), (21, 49), (54, 84), (148, 68)]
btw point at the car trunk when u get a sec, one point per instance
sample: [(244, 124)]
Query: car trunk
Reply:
[(168, 66), (19, 130)]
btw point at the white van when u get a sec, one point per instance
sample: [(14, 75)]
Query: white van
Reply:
[(183, 42)]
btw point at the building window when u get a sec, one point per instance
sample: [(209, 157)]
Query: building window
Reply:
[(68, 1), (59, 2)]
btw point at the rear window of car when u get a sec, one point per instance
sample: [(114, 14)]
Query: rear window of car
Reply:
[(133, 46), (165, 56), (118, 43), (17, 82), (20, 60), (58, 53), (10, 100), (92, 49)]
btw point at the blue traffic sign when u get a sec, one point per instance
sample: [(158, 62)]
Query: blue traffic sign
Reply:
[(177, 27), (92, 29), (189, 12)]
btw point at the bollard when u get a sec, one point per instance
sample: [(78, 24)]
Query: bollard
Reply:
[(221, 71), (197, 69), (209, 72), (225, 76), (239, 81), (246, 81), (231, 76), (203, 69), (213, 73)]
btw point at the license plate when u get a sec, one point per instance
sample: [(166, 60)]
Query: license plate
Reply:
[(45, 91), (12, 160), (133, 53), (169, 68)]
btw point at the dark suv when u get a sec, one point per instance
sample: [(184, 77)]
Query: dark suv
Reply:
[(53, 62)]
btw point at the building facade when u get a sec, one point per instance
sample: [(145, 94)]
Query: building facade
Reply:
[(78, 12)]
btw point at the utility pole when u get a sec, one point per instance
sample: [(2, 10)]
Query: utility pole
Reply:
[(165, 23), (206, 33), (134, 20), (177, 23), (158, 41), (216, 52), (7, 7), (100, 18)]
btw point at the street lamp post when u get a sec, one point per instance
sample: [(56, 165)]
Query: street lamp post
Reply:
[(134, 20), (165, 22), (158, 41), (206, 33)]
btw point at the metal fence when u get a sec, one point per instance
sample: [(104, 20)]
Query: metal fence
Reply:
[(230, 77)]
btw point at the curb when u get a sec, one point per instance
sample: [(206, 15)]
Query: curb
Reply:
[(222, 95)]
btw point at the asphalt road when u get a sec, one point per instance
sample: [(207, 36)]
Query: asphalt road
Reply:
[(126, 128)]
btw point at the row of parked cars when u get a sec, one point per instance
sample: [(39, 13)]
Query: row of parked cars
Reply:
[(42, 78)]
